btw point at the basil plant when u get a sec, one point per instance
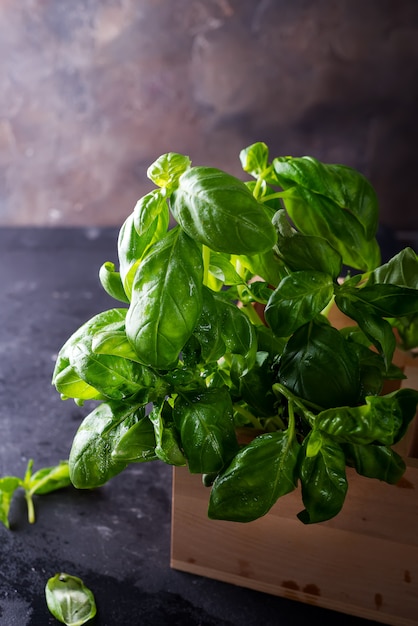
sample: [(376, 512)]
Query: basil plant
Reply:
[(221, 326)]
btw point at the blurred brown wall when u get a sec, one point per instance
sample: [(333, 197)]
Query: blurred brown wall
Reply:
[(92, 91)]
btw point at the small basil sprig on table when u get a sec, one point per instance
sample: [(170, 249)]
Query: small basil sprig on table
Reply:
[(225, 288), (42, 481)]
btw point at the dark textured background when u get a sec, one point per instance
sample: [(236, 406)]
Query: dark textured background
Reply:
[(92, 91)]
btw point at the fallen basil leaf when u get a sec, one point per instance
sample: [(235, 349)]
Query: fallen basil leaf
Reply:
[(69, 600)]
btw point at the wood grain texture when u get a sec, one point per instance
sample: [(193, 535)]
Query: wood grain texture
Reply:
[(364, 562)]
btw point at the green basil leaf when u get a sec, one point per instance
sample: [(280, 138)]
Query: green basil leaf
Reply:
[(111, 282), (338, 227), (91, 462), (386, 300), (115, 377), (257, 476), (255, 386), (223, 270), (113, 340), (8, 486), (167, 169), (208, 329), (382, 419), (137, 444), (268, 342), (166, 435), (335, 203), (147, 210), (205, 422), (219, 211), (401, 270), (298, 299), (378, 330), (237, 332), (254, 158), (69, 384), (69, 600), (320, 366), (375, 461), (266, 265), (323, 481), (305, 252), (407, 328), (166, 300), (344, 186), (132, 247), (50, 479), (66, 377)]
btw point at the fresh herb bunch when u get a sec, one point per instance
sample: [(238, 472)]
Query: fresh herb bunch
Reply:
[(187, 361)]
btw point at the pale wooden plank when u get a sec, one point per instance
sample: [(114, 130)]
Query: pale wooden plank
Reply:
[(341, 564)]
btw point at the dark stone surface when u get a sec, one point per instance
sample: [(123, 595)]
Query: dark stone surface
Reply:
[(116, 538), (91, 92)]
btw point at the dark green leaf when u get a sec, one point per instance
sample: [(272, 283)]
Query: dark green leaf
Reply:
[(237, 331), (255, 386), (258, 475), (298, 299), (137, 444), (205, 422), (401, 270), (208, 329), (377, 329), (347, 188), (375, 461), (304, 252), (319, 365), (166, 435), (382, 419), (323, 480), (386, 300)]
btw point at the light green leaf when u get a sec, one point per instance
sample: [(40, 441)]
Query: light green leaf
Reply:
[(69, 600)]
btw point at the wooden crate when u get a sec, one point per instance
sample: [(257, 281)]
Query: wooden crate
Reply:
[(364, 562)]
